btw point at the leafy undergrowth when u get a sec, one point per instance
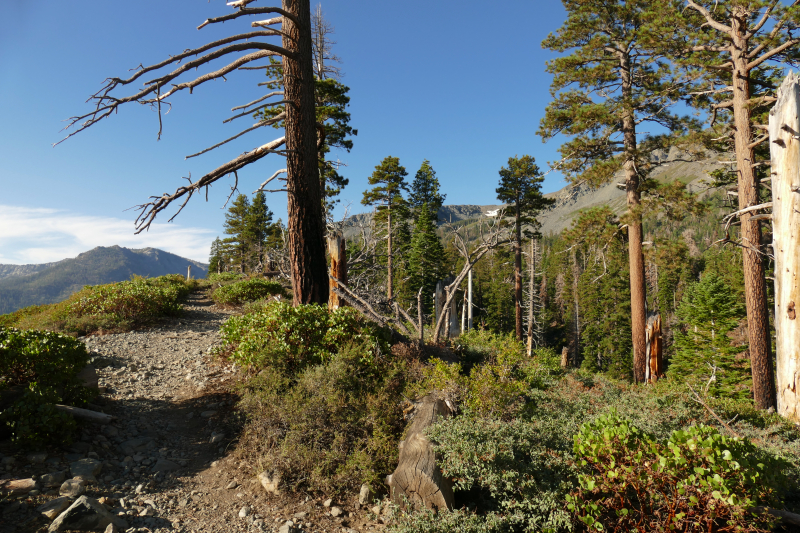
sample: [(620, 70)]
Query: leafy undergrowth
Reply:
[(246, 291), (533, 448), (113, 307), (532, 441), (42, 366)]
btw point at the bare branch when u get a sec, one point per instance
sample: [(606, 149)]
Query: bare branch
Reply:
[(709, 18), (773, 52), (274, 93), (277, 173), (268, 22), (250, 112), (250, 11), (149, 210), (248, 130)]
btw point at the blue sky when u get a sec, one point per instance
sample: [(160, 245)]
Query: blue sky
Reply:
[(446, 81)]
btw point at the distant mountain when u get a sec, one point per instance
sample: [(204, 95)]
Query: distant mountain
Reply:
[(571, 200), (24, 285)]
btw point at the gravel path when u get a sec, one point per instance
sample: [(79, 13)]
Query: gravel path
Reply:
[(165, 463)]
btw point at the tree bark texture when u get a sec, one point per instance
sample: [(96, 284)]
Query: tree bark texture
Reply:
[(337, 248), (635, 255), (389, 284), (306, 224), (418, 482), (784, 125), (518, 275), (755, 289)]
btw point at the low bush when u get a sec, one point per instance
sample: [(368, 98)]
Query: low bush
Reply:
[(224, 277), (244, 291), (699, 480), (494, 377), (118, 306), (46, 364), (514, 468), (290, 338), (329, 427)]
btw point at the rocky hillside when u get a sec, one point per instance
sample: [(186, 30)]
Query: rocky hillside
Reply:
[(24, 285), (571, 200)]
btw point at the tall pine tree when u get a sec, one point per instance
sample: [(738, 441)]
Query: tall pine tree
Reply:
[(236, 226), (425, 191), (425, 257), (521, 188), (605, 85), (387, 196)]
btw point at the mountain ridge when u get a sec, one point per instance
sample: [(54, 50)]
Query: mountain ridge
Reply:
[(46, 283)]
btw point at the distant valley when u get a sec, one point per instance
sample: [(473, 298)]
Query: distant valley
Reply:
[(24, 285)]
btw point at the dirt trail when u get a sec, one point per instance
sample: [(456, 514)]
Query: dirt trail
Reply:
[(167, 464)]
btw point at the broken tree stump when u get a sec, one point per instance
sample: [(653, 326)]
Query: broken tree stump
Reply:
[(337, 248), (653, 349), (418, 482)]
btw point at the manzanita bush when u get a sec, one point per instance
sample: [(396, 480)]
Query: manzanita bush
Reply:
[(291, 338), (248, 290), (699, 480)]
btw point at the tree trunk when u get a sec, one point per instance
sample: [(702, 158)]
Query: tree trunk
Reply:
[(390, 284), (306, 224), (518, 275), (418, 481), (635, 255), (469, 300), (784, 123), (755, 290), (576, 338), (337, 247), (531, 285)]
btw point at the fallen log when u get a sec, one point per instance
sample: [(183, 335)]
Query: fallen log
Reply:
[(85, 414), (418, 482)]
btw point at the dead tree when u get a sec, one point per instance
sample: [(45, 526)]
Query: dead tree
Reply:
[(418, 482), (653, 349), (337, 247), (492, 235), (247, 51), (784, 126)]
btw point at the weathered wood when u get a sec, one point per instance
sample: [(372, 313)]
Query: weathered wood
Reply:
[(653, 349), (85, 414), (784, 128), (337, 248), (565, 357), (418, 482)]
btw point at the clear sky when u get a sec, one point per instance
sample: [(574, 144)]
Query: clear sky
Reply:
[(453, 82)]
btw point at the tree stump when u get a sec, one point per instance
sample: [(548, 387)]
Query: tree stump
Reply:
[(653, 349), (418, 482), (337, 248)]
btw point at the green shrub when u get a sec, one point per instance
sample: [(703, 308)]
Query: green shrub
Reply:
[(138, 300), (291, 338), (699, 480), (248, 290), (499, 374), (224, 277), (48, 363), (331, 426), (112, 307)]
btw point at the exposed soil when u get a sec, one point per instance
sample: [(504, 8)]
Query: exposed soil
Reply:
[(168, 461)]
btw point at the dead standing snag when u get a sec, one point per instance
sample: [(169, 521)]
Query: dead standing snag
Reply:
[(306, 226)]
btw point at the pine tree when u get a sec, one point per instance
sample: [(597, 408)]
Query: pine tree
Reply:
[(425, 257), (606, 84), (521, 187), (387, 195), (257, 228), (238, 244), (710, 310), (216, 259), (739, 47), (425, 191)]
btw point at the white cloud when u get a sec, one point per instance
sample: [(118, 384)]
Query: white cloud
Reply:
[(39, 235)]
